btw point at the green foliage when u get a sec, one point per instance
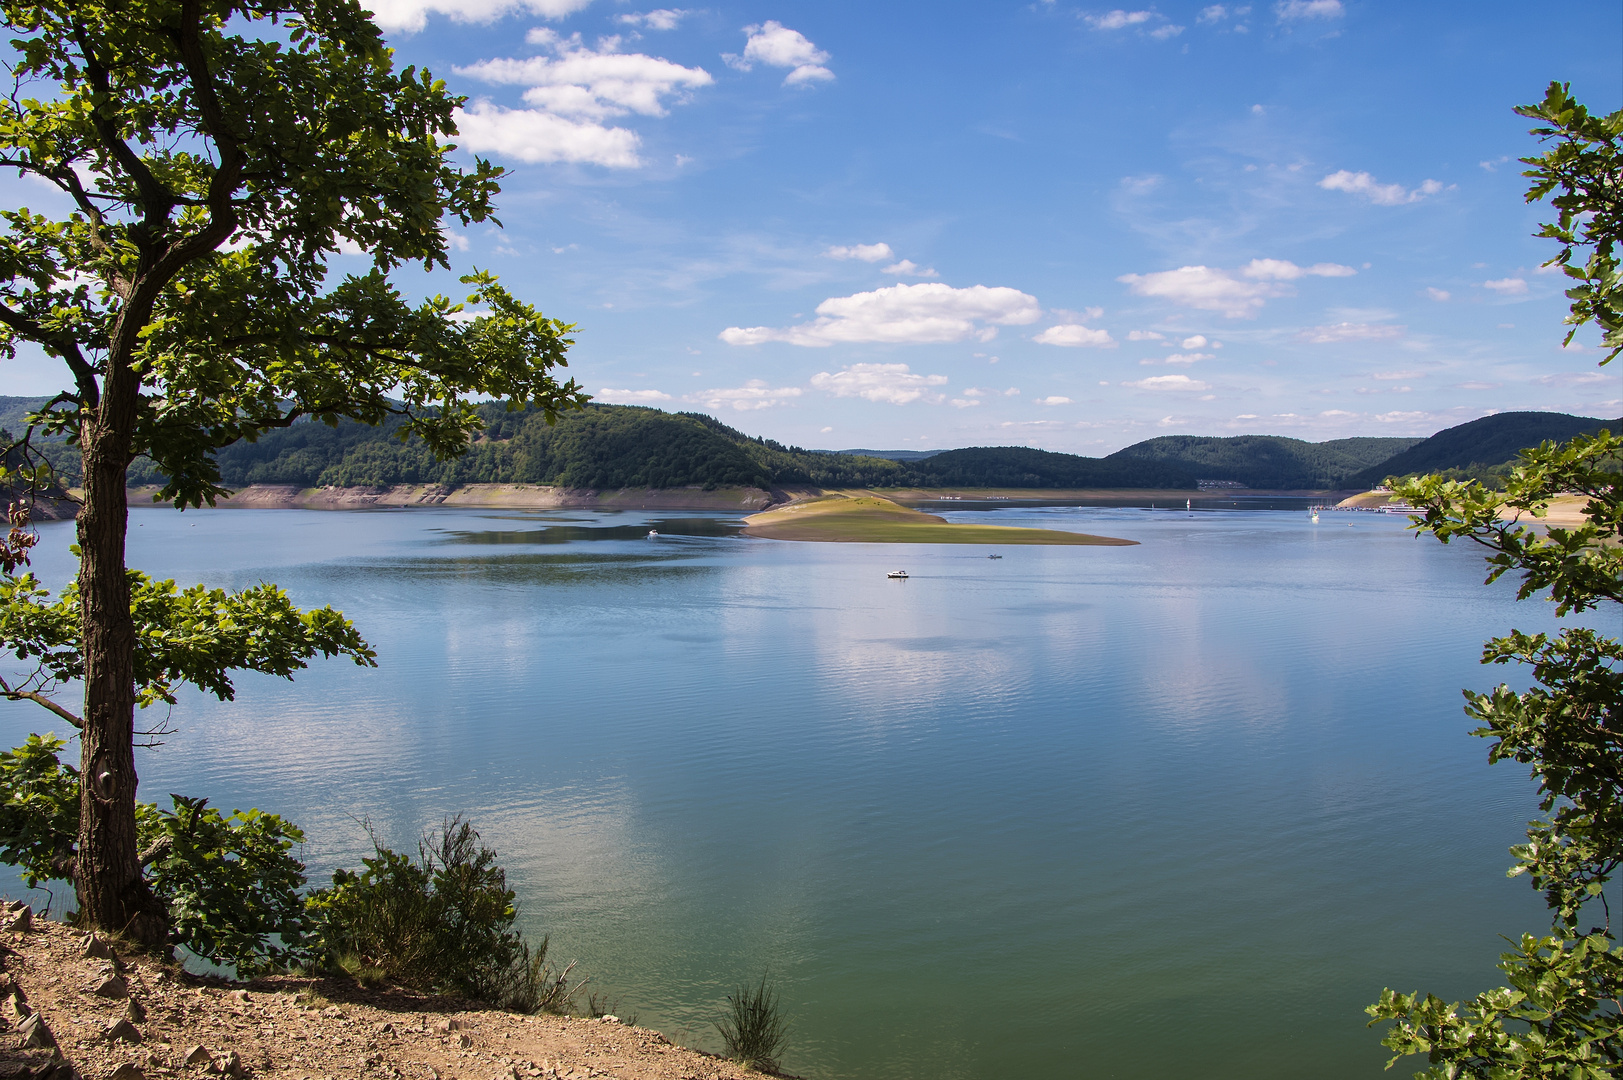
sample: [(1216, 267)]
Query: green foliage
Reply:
[(440, 921), (1268, 461), (1580, 566), (755, 1029), (232, 885), (1484, 449), (176, 131), (1556, 1019), (1562, 1013), (195, 636), (1584, 171), (39, 817)]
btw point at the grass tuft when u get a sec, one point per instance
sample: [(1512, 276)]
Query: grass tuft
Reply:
[(756, 1030)]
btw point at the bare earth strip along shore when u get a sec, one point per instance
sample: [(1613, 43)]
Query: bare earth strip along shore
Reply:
[(72, 1006)]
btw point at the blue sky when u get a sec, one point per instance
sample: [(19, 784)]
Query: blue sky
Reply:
[(1073, 227)]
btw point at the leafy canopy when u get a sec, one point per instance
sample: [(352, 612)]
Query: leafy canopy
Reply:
[(196, 636), (1561, 1014), (216, 155)]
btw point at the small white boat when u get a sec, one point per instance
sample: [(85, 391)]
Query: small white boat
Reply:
[(653, 534), (897, 574)]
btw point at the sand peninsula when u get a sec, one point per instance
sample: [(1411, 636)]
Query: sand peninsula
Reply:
[(866, 518)]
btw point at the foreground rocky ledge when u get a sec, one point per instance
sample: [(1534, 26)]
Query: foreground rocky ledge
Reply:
[(72, 1005)]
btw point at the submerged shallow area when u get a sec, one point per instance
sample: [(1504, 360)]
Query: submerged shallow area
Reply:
[(1180, 808)]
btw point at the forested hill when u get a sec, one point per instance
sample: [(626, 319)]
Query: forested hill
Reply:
[(610, 447), (1268, 461), (1482, 446)]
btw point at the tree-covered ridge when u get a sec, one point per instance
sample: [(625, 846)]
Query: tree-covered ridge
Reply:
[(1484, 445), (609, 447), (1269, 461)]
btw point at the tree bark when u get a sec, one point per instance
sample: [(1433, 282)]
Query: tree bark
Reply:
[(112, 893)]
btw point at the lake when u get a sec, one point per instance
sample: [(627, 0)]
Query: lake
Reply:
[(1180, 809)]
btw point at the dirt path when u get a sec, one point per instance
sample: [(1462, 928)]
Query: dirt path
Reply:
[(72, 1006)]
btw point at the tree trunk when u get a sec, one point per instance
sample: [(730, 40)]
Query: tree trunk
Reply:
[(112, 894)]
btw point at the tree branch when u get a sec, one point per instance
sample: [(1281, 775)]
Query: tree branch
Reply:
[(39, 699), (83, 374)]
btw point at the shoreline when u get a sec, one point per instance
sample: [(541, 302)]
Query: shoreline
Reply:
[(743, 499)]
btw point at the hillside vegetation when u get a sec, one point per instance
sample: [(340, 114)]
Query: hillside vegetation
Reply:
[(613, 447), (1268, 461), (1482, 447)]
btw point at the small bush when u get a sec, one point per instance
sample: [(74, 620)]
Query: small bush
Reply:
[(442, 921), (231, 884), (756, 1030)]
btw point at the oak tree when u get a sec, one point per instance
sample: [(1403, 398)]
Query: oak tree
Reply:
[(209, 158)]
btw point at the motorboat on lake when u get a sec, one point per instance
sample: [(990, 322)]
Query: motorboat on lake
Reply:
[(897, 574)]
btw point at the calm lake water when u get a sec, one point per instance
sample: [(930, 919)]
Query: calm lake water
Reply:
[(1179, 809)]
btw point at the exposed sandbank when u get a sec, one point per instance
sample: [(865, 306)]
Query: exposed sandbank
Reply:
[(868, 518)]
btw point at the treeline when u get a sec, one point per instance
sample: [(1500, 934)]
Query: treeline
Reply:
[(608, 447), (1270, 461)]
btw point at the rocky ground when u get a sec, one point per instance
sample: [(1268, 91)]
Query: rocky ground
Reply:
[(74, 1005)]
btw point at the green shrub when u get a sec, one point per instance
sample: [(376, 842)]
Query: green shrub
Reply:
[(755, 1030), (234, 889), (232, 885), (441, 921)]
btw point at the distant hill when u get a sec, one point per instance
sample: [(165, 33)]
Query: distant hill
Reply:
[(1268, 461), (888, 455), (1482, 444), (609, 447)]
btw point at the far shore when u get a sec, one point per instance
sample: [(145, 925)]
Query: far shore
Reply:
[(741, 499)]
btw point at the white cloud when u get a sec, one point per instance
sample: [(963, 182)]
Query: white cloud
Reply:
[(1284, 270), (540, 137), (1218, 12), (410, 16), (569, 94), (1398, 376), (1308, 9), (964, 403), (1161, 33), (1349, 331), (864, 252), (1510, 286), (658, 19), (1577, 378), (1196, 342), (630, 397), (1439, 295), (775, 45), (910, 268), (1145, 335), (1188, 358), (1053, 399), (1169, 382), (891, 384), (1362, 183), (1074, 337), (1477, 386), (591, 83), (1211, 289), (1119, 19), (931, 313), (755, 394)]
